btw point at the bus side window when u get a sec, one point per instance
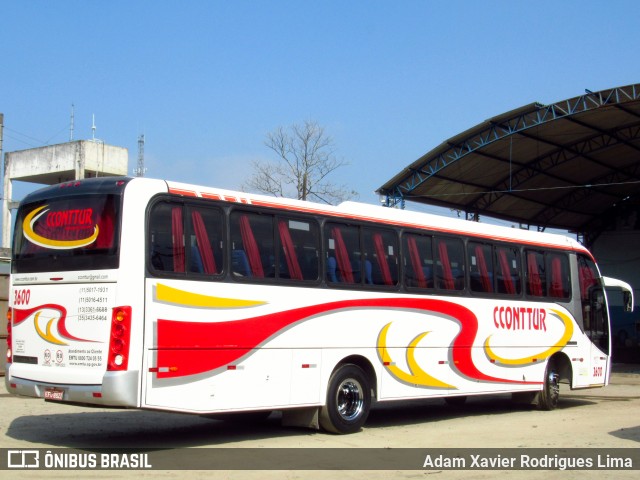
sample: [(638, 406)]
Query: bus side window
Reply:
[(166, 239), (205, 241), (299, 246), (560, 281), (418, 261), (343, 254), (450, 265), (252, 246), (508, 270), (595, 321), (480, 267), (381, 250), (536, 275), (588, 278)]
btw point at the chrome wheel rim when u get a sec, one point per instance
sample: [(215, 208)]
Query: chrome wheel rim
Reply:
[(350, 399), (554, 386)]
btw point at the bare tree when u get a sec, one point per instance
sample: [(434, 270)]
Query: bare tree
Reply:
[(306, 158)]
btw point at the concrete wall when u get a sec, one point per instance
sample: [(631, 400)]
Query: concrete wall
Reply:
[(67, 161), (56, 164), (4, 296)]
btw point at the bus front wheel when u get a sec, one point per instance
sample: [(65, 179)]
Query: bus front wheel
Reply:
[(548, 397), (348, 400)]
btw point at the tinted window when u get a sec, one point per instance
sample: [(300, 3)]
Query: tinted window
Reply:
[(450, 264), (418, 261), (536, 273), (186, 239), (299, 246), (253, 252), (166, 238), (266, 246), (480, 261), (380, 257), (507, 267), (74, 233), (559, 276), (343, 257), (204, 240), (595, 320)]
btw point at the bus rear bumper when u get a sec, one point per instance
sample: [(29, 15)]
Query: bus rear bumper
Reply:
[(118, 389)]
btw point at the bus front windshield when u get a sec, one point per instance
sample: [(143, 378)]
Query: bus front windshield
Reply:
[(68, 233)]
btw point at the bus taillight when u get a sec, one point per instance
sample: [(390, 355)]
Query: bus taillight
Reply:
[(9, 352), (119, 339)]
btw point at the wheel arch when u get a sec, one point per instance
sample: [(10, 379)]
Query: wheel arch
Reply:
[(564, 367), (367, 367)]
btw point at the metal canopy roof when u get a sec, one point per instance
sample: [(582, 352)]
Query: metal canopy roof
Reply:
[(568, 165)]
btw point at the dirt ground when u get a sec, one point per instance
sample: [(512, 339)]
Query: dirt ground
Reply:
[(597, 419)]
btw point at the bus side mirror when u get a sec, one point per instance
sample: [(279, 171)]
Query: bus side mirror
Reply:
[(627, 291)]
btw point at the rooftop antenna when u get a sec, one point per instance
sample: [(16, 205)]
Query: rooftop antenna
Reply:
[(72, 121), (93, 127), (140, 170)]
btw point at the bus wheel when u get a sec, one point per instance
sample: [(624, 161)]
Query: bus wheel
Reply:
[(548, 397), (348, 401)]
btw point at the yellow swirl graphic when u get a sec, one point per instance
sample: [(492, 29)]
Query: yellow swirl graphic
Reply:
[(32, 236), (562, 342), (417, 375), (167, 294), (48, 336)]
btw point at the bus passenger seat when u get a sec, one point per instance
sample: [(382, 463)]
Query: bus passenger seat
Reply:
[(195, 264), (368, 272), (331, 270), (428, 276), (240, 263)]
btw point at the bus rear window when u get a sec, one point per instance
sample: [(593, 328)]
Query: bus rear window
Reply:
[(63, 234)]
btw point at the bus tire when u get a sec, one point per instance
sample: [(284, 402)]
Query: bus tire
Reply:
[(548, 397), (348, 401)]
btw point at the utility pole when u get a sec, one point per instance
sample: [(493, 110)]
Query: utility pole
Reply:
[(1, 128), (5, 239), (139, 171), (72, 122)]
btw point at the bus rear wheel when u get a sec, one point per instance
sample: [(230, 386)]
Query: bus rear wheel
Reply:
[(348, 401), (548, 397)]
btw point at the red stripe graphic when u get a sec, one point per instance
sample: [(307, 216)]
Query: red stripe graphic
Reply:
[(20, 315), (196, 347)]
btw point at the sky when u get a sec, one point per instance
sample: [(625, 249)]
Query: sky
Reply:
[(206, 81)]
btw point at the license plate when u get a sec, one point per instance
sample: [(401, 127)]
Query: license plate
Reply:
[(53, 394)]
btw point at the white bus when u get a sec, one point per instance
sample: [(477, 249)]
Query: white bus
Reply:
[(149, 294)]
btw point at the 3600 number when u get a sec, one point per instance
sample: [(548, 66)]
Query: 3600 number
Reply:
[(21, 297)]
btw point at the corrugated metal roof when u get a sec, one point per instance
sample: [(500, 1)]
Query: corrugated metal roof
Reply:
[(564, 165)]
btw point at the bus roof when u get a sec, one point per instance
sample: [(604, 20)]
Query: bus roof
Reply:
[(85, 186), (347, 210)]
